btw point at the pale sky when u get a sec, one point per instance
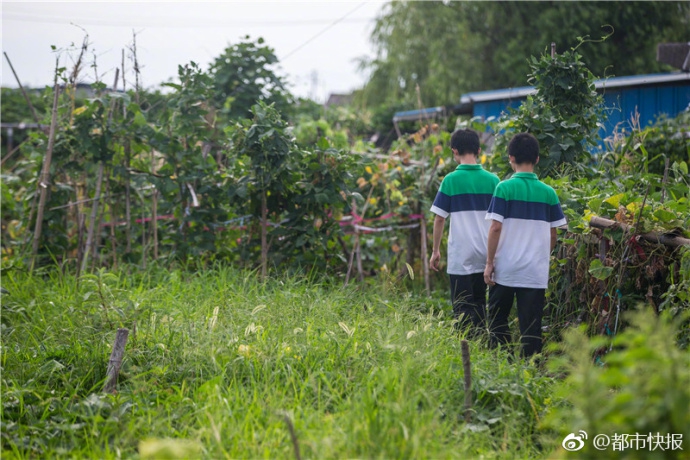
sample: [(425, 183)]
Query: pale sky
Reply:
[(317, 43)]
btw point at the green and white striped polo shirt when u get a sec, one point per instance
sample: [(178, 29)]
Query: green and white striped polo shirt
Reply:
[(465, 195), (528, 209)]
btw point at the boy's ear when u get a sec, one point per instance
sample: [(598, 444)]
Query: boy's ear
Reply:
[(535, 163)]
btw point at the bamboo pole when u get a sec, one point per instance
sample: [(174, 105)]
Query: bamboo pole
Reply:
[(94, 216), (95, 222), (96, 259), (264, 247), (154, 223), (44, 179), (26, 96), (358, 254), (113, 219), (425, 258), (652, 237)]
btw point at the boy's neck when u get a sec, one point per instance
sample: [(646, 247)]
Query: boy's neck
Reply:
[(524, 167), (467, 159)]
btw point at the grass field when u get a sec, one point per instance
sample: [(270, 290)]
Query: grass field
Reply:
[(220, 365)]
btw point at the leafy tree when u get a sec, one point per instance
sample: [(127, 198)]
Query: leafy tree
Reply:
[(188, 179), (299, 190), (244, 75), (449, 48), (512, 31), (418, 43)]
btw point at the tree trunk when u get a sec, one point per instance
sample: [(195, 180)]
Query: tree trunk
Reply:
[(44, 179)]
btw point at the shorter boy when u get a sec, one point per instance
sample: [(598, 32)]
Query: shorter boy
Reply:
[(464, 196)]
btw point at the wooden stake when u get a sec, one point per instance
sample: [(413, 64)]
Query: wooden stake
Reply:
[(466, 365), (425, 258), (116, 360), (44, 179)]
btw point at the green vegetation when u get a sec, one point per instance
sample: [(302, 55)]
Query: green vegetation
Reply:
[(643, 387), (451, 48), (222, 224), (218, 359)]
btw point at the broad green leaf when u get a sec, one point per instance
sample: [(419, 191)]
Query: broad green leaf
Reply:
[(664, 215), (598, 270)]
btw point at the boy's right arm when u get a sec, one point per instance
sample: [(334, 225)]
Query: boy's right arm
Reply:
[(434, 262), (492, 245)]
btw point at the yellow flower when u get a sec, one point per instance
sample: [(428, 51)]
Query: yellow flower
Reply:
[(368, 169), (373, 201), (441, 162), (484, 158)]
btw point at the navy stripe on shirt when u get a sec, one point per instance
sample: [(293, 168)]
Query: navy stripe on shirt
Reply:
[(462, 202), (527, 210)]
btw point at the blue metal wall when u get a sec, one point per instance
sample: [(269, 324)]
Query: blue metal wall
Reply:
[(620, 104), (650, 102)]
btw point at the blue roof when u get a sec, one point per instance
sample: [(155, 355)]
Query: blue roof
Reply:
[(416, 114), (604, 83)]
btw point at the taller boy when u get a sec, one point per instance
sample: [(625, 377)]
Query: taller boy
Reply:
[(524, 214), (465, 195)]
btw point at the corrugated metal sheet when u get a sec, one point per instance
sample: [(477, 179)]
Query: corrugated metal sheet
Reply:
[(650, 96)]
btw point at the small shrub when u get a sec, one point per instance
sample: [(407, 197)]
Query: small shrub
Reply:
[(641, 387)]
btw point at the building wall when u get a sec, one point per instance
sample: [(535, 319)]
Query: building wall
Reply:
[(621, 104)]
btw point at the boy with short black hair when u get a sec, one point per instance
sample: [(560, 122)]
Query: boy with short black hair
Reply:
[(464, 195), (524, 214)]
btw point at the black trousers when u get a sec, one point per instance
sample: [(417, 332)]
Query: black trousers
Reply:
[(468, 296), (530, 309)]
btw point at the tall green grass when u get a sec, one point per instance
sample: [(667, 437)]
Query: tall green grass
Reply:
[(221, 365)]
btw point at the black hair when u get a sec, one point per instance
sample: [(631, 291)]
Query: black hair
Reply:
[(465, 141), (525, 148)]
